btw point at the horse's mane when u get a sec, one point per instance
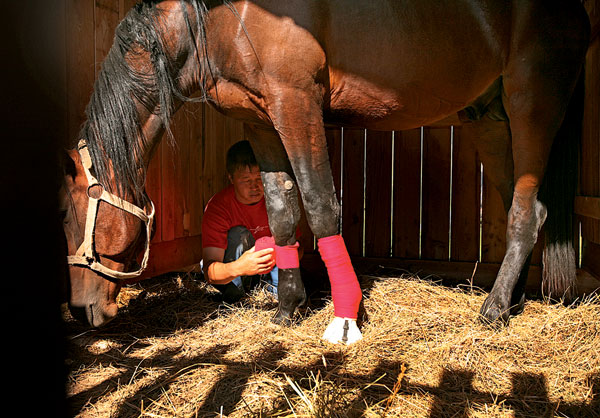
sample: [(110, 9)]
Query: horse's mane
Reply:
[(112, 130)]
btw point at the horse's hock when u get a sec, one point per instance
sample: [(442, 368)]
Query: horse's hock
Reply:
[(417, 200)]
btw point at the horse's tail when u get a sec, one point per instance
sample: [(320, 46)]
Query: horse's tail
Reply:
[(558, 194)]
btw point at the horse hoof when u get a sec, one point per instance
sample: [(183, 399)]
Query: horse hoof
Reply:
[(282, 319), (342, 331), (493, 314)]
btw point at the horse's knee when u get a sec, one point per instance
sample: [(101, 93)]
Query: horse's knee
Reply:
[(281, 196)]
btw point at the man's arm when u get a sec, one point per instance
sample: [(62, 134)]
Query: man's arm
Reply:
[(249, 264)]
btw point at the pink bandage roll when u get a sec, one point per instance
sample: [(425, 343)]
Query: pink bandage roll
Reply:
[(345, 290), (286, 257), (264, 242)]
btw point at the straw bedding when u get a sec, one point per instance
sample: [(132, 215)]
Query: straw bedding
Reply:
[(175, 351)]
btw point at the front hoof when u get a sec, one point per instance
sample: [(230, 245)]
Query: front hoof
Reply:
[(493, 312), (282, 319), (342, 330)]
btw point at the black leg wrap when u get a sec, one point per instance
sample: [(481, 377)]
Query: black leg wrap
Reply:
[(291, 294)]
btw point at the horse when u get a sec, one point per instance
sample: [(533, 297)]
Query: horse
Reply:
[(512, 69)]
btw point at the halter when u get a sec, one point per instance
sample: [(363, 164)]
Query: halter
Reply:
[(85, 255)]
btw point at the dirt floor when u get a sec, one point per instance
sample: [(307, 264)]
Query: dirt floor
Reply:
[(175, 351)]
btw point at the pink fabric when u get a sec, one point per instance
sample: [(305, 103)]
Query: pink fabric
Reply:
[(264, 242), (286, 257), (345, 290)]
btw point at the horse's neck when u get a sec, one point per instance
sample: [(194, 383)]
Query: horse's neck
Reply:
[(170, 73), (153, 130), (184, 53)]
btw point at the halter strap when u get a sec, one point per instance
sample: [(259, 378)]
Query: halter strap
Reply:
[(85, 255)]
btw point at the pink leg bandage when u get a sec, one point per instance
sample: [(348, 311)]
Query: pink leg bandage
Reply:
[(345, 290), (286, 257)]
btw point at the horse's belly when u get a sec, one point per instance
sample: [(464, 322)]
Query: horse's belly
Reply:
[(358, 102)]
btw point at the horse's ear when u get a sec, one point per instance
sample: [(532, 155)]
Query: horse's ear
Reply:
[(69, 164)]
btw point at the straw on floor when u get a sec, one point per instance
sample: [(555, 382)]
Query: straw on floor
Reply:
[(174, 351)]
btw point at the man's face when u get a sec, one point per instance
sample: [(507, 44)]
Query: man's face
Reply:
[(247, 184)]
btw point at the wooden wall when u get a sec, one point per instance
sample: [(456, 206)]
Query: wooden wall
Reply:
[(588, 202), (418, 200), (414, 199)]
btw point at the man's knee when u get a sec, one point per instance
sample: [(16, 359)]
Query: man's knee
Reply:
[(239, 240)]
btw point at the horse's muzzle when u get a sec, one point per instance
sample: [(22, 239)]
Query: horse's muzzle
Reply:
[(94, 315)]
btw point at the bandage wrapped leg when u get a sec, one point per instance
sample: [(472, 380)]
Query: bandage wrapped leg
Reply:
[(290, 290), (286, 256), (345, 291)]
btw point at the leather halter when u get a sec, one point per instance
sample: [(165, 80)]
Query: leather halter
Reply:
[(85, 255)]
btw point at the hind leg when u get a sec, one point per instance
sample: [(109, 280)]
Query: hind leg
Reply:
[(535, 106), (493, 142), (281, 198)]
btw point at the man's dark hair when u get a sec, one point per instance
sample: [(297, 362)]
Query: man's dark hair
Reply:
[(240, 155)]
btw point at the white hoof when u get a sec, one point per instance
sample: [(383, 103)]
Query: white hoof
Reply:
[(342, 330)]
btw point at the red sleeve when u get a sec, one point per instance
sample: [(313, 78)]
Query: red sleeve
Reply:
[(215, 225)]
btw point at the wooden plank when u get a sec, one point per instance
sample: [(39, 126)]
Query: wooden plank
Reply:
[(80, 62), (174, 180), (106, 20), (589, 184), (436, 194), (154, 190), (591, 258), (407, 174), (493, 240), (125, 6), (168, 190), (195, 207), (220, 133), (182, 171), (587, 206), (59, 85), (353, 190), (378, 196), (465, 197)]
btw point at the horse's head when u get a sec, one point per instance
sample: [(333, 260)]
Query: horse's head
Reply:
[(104, 234), (108, 218)]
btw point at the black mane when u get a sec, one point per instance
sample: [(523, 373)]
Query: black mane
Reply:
[(112, 130)]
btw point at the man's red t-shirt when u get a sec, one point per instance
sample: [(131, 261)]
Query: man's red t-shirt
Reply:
[(224, 211)]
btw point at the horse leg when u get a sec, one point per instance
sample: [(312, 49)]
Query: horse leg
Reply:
[(281, 198), (491, 138), (298, 119), (535, 106)]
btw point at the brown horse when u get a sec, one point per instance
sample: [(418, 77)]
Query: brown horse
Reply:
[(288, 67)]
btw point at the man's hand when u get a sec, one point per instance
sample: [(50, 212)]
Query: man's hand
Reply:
[(256, 262), (250, 263)]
